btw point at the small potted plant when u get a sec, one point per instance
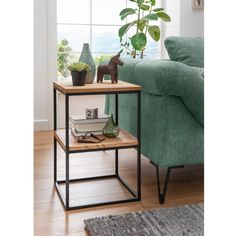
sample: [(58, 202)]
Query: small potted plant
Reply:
[(78, 72)]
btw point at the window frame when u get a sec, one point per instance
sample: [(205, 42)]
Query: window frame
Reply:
[(91, 25)]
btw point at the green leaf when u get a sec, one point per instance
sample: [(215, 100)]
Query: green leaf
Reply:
[(154, 32), (120, 51), (139, 41), (145, 7), (151, 16), (141, 25), (125, 12), (133, 0), (140, 2), (153, 2), (65, 42), (61, 49), (68, 49), (158, 9), (123, 29), (164, 16)]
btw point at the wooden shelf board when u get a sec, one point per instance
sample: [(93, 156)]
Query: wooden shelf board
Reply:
[(124, 139), (67, 87)]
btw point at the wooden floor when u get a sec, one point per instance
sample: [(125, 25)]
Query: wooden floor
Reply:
[(186, 186)]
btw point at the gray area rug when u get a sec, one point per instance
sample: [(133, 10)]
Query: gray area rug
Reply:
[(177, 221)]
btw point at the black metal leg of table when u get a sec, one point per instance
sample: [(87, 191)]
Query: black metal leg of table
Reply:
[(139, 145), (117, 162), (65, 200), (117, 123), (67, 151), (55, 128), (67, 182)]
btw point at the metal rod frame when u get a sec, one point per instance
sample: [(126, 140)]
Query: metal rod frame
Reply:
[(65, 198), (162, 195)]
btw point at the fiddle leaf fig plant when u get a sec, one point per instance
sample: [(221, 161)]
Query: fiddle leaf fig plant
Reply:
[(146, 23)]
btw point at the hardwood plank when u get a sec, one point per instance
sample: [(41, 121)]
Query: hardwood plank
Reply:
[(67, 87), (124, 139), (186, 187)]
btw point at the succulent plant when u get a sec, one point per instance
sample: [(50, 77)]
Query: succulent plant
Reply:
[(78, 67)]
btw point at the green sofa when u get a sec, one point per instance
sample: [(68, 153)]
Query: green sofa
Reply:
[(172, 120)]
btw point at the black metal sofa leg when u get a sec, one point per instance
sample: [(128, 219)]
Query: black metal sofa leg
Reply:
[(162, 195)]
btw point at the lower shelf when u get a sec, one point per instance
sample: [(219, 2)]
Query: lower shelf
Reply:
[(96, 191), (123, 140)]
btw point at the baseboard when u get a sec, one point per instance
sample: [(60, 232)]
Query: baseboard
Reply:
[(40, 125)]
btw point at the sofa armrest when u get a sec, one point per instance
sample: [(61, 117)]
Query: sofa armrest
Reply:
[(168, 78)]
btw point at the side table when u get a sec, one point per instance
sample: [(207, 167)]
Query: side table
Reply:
[(70, 145)]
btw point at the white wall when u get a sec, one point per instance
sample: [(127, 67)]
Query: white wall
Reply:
[(44, 62), (191, 20), (40, 65), (172, 7), (185, 20), (78, 106)]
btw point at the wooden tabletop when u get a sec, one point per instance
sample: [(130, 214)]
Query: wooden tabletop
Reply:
[(124, 139), (66, 87)]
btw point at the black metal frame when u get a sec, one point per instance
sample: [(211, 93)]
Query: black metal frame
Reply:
[(136, 196), (162, 195)]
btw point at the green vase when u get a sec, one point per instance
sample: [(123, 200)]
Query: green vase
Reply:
[(86, 57), (110, 130)]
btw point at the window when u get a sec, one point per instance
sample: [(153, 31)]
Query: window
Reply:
[(92, 21)]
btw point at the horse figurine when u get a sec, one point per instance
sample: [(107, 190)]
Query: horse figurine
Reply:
[(110, 69)]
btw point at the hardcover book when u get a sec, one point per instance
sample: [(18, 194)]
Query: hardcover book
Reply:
[(82, 119)]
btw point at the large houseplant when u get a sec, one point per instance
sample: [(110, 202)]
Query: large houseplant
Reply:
[(145, 23)]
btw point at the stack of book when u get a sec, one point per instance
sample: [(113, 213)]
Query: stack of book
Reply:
[(80, 125)]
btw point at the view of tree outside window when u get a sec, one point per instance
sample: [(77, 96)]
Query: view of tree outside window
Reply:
[(95, 22)]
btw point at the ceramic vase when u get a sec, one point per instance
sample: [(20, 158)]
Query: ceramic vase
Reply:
[(86, 57), (110, 130)]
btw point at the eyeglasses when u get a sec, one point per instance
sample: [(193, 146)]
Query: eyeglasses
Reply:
[(84, 138)]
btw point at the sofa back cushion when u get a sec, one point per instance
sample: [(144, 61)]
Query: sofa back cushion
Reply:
[(188, 50)]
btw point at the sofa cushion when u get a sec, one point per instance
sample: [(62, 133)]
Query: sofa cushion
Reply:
[(188, 50)]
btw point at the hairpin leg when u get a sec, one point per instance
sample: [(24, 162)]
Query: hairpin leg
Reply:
[(162, 195)]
